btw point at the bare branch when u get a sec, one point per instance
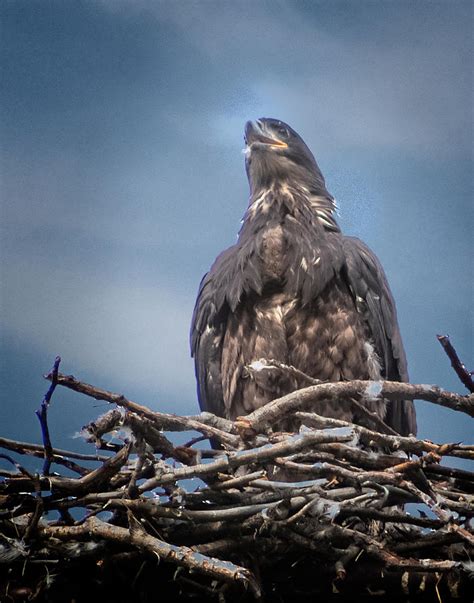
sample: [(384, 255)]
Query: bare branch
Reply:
[(161, 420), (464, 375), (180, 555), (42, 414), (391, 390)]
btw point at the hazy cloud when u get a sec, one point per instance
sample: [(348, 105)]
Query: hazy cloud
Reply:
[(131, 334), (395, 87)]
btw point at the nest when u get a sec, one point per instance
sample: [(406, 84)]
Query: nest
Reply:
[(335, 510)]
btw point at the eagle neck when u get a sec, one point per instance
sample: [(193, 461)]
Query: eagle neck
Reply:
[(283, 198)]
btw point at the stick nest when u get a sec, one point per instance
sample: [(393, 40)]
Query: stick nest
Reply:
[(336, 510)]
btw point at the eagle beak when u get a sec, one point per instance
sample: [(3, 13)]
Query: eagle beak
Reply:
[(254, 134), (278, 143)]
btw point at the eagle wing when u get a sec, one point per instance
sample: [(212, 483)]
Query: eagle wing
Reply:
[(374, 301), (207, 332), (233, 273)]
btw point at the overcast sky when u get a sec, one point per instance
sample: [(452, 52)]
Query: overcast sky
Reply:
[(122, 178)]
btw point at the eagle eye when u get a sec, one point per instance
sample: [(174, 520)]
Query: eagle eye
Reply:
[(282, 131)]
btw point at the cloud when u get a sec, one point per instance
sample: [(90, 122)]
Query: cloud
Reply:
[(398, 84), (130, 335)]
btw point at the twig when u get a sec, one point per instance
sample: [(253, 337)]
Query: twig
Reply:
[(238, 482), (304, 380), (180, 555), (374, 438), (461, 371), (38, 450), (161, 420), (300, 377), (245, 457), (42, 414), (88, 482)]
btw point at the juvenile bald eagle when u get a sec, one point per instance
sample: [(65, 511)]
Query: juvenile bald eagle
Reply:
[(296, 290)]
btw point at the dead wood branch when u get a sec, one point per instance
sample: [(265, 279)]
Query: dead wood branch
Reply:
[(391, 390), (461, 371)]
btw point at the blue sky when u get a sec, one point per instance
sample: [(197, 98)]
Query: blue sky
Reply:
[(123, 178)]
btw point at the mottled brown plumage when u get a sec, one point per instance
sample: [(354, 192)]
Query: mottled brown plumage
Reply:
[(295, 290)]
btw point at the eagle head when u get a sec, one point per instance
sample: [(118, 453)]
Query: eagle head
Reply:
[(275, 153)]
